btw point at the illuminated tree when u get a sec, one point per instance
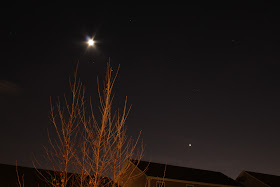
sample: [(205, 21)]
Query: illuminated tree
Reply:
[(94, 147)]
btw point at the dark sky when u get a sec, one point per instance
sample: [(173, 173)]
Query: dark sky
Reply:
[(200, 74)]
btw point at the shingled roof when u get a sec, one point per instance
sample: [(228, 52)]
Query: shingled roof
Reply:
[(184, 173), (270, 180)]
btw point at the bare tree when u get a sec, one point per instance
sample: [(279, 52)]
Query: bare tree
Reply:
[(20, 182), (93, 146)]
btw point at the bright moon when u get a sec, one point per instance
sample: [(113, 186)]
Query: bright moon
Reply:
[(90, 42), (190, 145)]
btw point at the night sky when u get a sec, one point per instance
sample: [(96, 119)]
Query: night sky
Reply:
[(205, 75)]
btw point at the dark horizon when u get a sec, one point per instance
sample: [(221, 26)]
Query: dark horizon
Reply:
[(200, 74)]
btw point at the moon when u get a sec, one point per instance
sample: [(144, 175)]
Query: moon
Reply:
[(90, 42)]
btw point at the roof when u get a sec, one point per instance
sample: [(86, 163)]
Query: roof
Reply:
[(9, 177), (31, 177), (271, 180), (184, 173)]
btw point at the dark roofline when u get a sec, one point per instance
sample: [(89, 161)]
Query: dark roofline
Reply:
[(32, 168), (266, 179), (155, 169), (261, 173), (175, 166), (11, 174)]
